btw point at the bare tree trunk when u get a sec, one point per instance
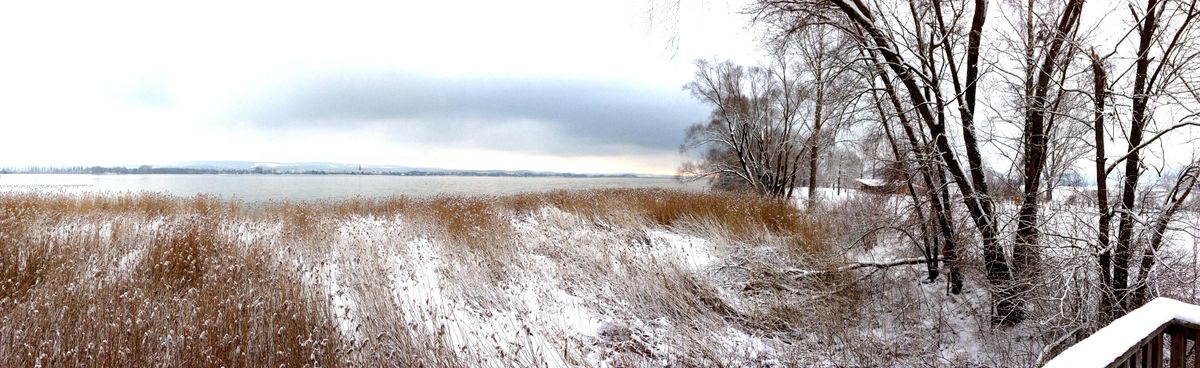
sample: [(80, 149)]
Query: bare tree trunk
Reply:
[(1025, 252), (1100, 96), (1007, 310), (927, 241), (818, 120), (1179, 194), (945, 217), (1124, 247), (814, 154), (939, 207)]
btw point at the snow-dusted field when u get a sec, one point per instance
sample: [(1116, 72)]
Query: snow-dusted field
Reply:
[(567, 280), (603, 278)]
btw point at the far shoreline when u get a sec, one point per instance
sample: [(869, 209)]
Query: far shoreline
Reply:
[(440, 173)]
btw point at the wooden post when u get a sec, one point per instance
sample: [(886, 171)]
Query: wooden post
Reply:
[(1156, 351), (1195, 348), (1178, 349)]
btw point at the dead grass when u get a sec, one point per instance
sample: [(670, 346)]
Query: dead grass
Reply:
[(148, 279), (739, 216), (180, 254), (193, 298), (474, 222)]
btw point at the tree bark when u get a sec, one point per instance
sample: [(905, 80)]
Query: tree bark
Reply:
[(818, 120), (1124, 247), (945, 217), (813, 151), (1025, 252), (1104, 259)]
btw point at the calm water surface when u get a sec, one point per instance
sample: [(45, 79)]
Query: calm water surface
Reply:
[(259, 188)]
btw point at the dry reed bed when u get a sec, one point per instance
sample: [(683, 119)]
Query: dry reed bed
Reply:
[(559, 278)]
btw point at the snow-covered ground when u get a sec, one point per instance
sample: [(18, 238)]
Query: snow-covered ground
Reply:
[(567, 292), (551, 287)]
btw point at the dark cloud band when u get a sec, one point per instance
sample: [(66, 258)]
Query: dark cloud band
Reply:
[(566, 117)]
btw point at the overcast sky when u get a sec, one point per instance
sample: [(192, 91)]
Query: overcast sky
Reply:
[(556, 85)]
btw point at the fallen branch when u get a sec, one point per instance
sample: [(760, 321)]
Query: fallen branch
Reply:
[(798, 273)]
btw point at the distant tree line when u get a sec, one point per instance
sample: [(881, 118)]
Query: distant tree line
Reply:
[(145, 169)]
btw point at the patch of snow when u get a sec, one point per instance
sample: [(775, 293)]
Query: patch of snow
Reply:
[(693, 252), (527, 319), (871, 182), (129, 260), (824, 195), (750, 350), (344, 307)]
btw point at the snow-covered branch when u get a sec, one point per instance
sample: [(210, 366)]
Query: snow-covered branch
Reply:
[(800, 273)]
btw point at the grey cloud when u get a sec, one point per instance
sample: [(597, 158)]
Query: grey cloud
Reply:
[(567, 117)]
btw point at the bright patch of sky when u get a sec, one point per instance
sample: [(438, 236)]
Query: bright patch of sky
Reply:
[(567, 86)]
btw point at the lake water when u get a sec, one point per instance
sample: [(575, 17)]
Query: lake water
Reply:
[(259, 188)]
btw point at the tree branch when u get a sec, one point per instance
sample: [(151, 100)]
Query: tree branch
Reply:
[(799, 273)]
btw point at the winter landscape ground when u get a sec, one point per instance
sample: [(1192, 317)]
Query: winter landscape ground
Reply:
[(592, 278)]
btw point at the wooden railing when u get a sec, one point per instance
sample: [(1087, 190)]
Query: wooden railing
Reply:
[(1164, 331), (1182, 338)]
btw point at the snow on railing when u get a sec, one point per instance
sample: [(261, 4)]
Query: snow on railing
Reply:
[(1136, 339)]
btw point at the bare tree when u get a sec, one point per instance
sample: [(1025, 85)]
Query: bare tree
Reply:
[(1067, 146), (922, 51), (1037, 129), (825, 54), (768, 121), (934, 229), (1164, 57), (752, 136), (922, 60)]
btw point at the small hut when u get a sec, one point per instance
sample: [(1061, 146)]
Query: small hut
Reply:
[(879, 186)]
